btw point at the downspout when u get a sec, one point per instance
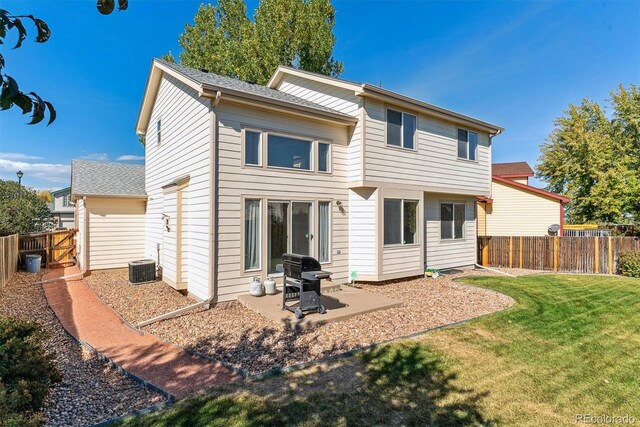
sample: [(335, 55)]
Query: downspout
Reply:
[(212, 296), (213, 208)]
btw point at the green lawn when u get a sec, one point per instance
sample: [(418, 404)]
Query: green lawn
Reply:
[(570, 346)]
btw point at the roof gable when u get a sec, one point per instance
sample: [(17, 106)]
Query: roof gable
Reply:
[(209, 84), (385, 95), (530, 189)]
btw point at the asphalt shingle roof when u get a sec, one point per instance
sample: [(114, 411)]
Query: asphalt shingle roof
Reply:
[(89, 177), (512, 169), (222, 82)]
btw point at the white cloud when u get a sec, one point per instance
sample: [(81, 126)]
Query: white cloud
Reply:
[(130, 157), (96, 156), (18, 156), (49, 172)]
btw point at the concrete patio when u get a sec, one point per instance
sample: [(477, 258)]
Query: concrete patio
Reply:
[(341, 304)]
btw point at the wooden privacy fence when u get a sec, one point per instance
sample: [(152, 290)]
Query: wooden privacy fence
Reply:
[(564, 254), (57, 248), (8, 257)]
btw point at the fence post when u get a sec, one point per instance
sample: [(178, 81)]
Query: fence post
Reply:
[(510, 251), (520, 251), (485, 252), (597, 255), (610, 256), (555, 253)]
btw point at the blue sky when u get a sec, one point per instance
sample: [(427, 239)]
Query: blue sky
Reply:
[(515, 63)]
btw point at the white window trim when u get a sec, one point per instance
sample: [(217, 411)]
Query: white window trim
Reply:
[(467, 159), (401, 146), (244, 233), (453, 222), (312, 166), (244, 147), (329, 157), (330, 226), (402, 239)]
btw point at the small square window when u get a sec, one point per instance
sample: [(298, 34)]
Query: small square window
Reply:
[(324, 157), (252, 147)]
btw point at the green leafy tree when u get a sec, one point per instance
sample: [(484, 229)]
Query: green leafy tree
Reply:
[(10, 93), (297, 33), (22, 210), (594, 159)]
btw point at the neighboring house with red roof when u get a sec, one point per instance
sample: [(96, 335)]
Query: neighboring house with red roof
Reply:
[(516, 208)]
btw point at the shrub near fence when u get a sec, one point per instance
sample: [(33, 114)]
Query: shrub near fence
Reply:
[(563, 254), (8, 257)]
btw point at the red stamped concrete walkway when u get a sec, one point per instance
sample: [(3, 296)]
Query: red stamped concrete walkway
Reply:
[(164, 365)]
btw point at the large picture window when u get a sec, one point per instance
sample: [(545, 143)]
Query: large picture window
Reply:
[(401, 129), (452, 220), (400, 221), (287, 152), (252, 234), (467, 145)]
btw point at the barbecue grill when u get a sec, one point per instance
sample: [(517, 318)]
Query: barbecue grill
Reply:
[(301, 284)]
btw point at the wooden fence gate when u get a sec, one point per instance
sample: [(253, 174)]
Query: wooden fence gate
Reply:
[(564, 254), (57, 248), (8, 257)]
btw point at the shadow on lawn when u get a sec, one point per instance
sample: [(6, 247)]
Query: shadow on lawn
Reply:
[(401, 384)]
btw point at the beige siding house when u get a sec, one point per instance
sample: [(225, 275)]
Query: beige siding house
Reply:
[(62, 209), (517, 209), (373, 184), (110, 210)]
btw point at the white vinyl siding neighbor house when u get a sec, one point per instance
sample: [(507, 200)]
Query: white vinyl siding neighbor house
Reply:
[(236, 174)]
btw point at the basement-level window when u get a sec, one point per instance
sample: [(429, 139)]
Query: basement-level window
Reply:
[(452, 218), (400, 222)]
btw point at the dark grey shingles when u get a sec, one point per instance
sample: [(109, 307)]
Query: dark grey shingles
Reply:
[(222, 82), (89, 177)]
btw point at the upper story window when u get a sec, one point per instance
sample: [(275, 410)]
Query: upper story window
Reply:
[(66, 200), (287, 152), (467, 145), (400, 221), (401, 129), (452, 219), (159, 132), (324, 157), (252, 147)]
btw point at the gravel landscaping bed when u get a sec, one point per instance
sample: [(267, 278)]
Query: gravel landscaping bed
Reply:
[(232, 333), (91, 391)]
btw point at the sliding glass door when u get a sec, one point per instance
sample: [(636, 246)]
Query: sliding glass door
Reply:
[(289, 229)]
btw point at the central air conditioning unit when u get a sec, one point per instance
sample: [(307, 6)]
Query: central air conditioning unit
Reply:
[(142, 271)]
